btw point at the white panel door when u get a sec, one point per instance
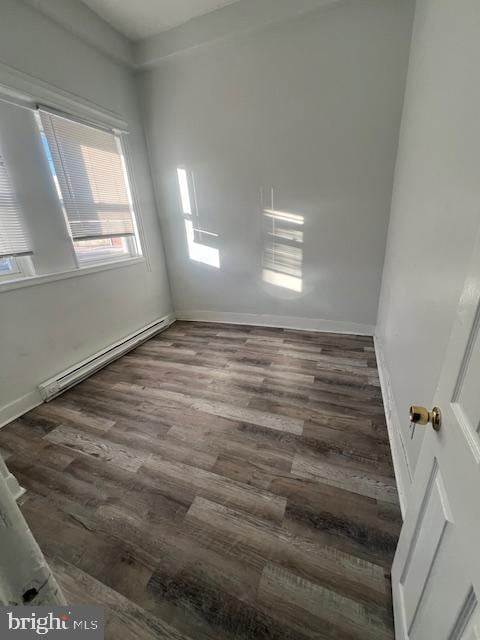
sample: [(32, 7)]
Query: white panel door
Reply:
[(436, 571)]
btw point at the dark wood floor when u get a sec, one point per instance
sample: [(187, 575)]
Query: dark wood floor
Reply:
[(219, 482)]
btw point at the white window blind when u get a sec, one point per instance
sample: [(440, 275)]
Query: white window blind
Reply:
[(91, 178), (14, 240)]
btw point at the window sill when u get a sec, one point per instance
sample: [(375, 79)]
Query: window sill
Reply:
[(30, 281)]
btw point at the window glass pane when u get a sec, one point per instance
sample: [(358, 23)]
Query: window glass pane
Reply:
[(8, 266), (101, 249), (88, 167), (5, 266)]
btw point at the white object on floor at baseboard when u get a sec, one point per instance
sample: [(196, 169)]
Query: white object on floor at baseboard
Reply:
[(78, 372), (33, 398), (12, 483)]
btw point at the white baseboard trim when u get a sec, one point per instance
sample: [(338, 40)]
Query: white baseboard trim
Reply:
[(33, 398), (283, 322), (19, 406), (403, 475)]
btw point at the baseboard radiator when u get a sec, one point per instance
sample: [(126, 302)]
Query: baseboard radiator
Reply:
[(75, 374)]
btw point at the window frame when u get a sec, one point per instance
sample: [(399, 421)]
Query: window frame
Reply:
[(25, 275), (39, 279), (133, 243), (24, 269)]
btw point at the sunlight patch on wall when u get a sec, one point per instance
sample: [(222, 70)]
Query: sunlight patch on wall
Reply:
[(184, 191), (283, 249), (282, 280), (201, 252), (198, 240)]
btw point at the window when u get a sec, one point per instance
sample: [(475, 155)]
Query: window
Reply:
[(14, 241), (65, 199), (88, 168), (101, 249)]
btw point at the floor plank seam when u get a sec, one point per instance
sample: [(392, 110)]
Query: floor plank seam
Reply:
[(219, 482)]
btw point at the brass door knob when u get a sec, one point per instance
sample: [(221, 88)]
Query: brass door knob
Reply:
[(421, 415)]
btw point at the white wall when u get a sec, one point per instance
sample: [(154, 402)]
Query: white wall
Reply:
[(47, 327), (310, 107), (77, 17), (233, 19), (436, 205)]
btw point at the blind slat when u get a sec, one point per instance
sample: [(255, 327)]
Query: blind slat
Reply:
[(91, 179), (14, 240)]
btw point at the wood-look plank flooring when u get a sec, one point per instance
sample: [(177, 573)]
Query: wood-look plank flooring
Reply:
[(219, 482)]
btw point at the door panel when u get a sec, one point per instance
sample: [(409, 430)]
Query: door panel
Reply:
[(436, 571), (468, 624), (466, 396), (424, 546)]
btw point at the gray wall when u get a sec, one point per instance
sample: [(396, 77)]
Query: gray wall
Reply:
[(436, 204), (47, 327), (311, 108)]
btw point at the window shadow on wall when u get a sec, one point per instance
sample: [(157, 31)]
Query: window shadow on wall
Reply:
[(282, 263), (199, 241)]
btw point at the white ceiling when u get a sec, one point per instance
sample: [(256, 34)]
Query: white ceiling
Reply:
[(139, 19)]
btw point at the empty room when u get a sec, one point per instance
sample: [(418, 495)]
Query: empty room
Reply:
[(240, 319)]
